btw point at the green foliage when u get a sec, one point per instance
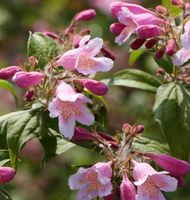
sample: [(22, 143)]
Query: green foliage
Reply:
[(165, 63), (43, 48), (136, 79), (172, 111), (4, 195), (134, 55), (173, 10)]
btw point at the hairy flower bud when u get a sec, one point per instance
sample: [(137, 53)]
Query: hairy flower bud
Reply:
[(171, 48), (85, 15), (27, 79), (8, 72), (150, 43), (6, 174), (136, 44)]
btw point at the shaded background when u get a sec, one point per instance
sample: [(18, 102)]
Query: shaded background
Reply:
[(17, 18)]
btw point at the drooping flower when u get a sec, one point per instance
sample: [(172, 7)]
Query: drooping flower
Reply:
[(27, 79), (136, 19), (70, 107), (92, 182), (150, 183), (6, 174), (127, 189), (83, 59), (8, 72)]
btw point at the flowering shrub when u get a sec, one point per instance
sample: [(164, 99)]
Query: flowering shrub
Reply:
[(61, 93)]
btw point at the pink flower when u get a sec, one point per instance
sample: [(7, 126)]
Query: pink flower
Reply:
[(84, 59), (8, 72), (177, 2), (70, 107), (150, 183), (27, 79), (85, 15), (92, 182), (6, 174), (143, 22), (127, 189)]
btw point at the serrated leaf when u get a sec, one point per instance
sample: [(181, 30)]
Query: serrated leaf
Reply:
[(172, 111), (7, 86), (136, 79), (43, 48), (173, 10)]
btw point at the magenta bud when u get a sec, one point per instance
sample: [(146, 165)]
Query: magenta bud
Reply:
[(76, 41), (82, 134), (94, 86), (6, 174), (160, 53), (110, 197), (127, 189), (116, 28), (138, 129), (177, 2), (171, 48), (85, 15), (150, 43), (173, 165), (149, 31), (27, 79), (51, 35), (136, 44), (8, 72), (162, 10), (107, 53), (29, 95), (126, 128)]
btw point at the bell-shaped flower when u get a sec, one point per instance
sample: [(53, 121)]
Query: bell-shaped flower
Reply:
[(70, 107), (92, 182), (143, 22), (8, 72), (83, 59), (150, 183), (27, 79), (127, 189), (6, 174)]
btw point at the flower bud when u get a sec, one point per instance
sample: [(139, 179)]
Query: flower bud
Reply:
[(29, 95), (82, 134), (107, 53), (8, 72), (136, 44), (177, 2), (85, 15), (51, 35), (160, 53), (149, 31), (6, 174), (138, 129), (171, 48), (116, 28), (150, 43), (162, 10), (94, 86), (127, 189), (27, 79), (173, 165), (110, 197), (76, 41), (126, 128)]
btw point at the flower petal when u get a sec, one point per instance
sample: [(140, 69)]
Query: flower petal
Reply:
[(103, 64), (55, 108)]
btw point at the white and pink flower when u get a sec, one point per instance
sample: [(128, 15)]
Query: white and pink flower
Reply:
[(83, 59), (150, 183), (69, 106), (92, 182)]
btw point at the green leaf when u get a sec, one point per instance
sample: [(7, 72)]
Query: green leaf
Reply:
[(136, 79), (7, 86), (165, 63), (173, 10), (172, 111), (4, 195), (43, 48), (134, 56)]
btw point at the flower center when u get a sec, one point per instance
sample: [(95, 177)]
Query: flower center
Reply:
[(86, 63), (151, 188), (70, 109)]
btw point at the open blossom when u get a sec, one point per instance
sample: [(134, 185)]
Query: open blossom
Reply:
[(92, 182), (136, 19), (70, 107), (6, 174), (83, 59), (150, 183), (8, 72), (27, 79)]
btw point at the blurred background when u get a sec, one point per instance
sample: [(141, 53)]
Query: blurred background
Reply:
[(17, 18)]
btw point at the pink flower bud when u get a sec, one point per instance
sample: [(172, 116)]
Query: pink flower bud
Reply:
[(149, 31), (29, 95), (127, 189), (173, 165), (138, 129), (110, 197), (85, 15), (51, 35), (107, 53), (150, 43), (126, 128), (116, 28), (27, 79), (9, 72), (76, 41), (136, 44), (162, 10), (94, 86), (82, 134), (6, 174), (177, 2), (171, 48), (160, 53)]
